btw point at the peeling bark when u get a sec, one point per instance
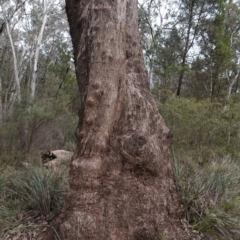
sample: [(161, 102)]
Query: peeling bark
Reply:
[(121, 178)]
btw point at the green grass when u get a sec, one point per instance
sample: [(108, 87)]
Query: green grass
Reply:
[(209, 196), (39, 189), (32, 190), (206, 165)]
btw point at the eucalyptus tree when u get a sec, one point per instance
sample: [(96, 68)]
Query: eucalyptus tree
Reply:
[(232, 29), (203, 37), (191, 13), (178, 35), (31, 32), (121, 178), (10, 89), (167, 63), (45, 9), (216, 68), (9, 11), (150, 21)]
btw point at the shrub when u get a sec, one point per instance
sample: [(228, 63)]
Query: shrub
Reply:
[(202, 128), (27, 134)]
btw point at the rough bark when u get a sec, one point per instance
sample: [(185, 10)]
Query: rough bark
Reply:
[(121, 179)]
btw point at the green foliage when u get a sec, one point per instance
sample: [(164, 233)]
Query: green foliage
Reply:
[(167, 59), (48, 125), (199, 41), (222, 52), (202, 128)]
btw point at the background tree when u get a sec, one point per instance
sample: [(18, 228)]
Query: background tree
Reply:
[(150, 23), (207, 31), (35, 49), (191, 13), (167, 64)]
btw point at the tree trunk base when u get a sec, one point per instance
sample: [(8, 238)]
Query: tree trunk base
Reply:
[(121, 179)]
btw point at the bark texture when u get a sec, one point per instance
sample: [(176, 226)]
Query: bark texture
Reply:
[(121, 179)]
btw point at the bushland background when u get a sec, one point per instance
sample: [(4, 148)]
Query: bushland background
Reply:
[(191, 51)]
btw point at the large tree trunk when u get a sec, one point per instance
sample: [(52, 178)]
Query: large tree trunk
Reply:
[(121, 180)]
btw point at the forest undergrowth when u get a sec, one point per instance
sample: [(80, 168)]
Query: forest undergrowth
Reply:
[(205, 154), (206, 160)]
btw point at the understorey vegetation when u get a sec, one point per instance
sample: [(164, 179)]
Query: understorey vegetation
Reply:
[(205, 157), (205, 154)]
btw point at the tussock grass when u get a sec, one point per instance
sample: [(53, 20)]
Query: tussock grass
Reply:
[(209, 196), (38, 189), (8, 207), (31, 190)]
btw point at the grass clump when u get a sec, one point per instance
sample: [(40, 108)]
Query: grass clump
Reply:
[(38, 189), (31, 191), (209, 196)]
